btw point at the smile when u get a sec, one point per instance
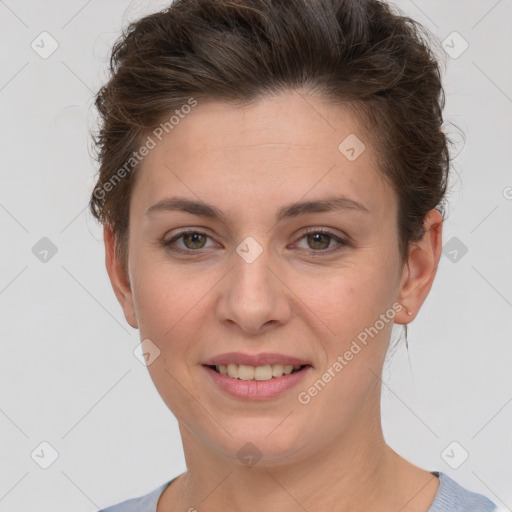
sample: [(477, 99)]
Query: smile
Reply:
[(256, 382), (261, 373)]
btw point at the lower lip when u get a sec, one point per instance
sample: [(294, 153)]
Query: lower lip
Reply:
[(257, 389)]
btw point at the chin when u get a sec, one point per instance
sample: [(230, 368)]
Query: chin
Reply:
[(259, 442)]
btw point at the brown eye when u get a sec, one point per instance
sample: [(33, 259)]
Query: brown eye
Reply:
[(319, 240), (192, 241), (196, 240)]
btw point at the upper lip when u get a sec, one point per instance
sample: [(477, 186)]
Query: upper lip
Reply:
[(262, 359)]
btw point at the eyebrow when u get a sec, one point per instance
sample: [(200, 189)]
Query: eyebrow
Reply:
[(202, 209)]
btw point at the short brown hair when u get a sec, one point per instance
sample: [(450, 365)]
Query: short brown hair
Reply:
[(360, 53)]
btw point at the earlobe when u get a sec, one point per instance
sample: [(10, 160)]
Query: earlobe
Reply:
[(118, 278), (419, 273)]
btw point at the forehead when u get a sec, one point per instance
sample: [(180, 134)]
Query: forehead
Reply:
[(285, 147)]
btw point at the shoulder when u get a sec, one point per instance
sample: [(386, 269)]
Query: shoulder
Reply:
[(452, 497), (146, 503)]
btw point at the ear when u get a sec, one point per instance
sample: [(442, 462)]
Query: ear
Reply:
[(118, 278), (420, 270)]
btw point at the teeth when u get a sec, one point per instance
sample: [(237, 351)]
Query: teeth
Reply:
[(245, 372), (277, 370), (233, 370)]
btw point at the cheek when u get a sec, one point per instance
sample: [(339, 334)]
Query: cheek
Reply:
[(155, 305), (170, 302), (346, 301), (162, 308), (168, 309), (359, 312), (351, 302)]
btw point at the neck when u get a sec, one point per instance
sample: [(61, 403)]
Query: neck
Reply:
[(355, 471)]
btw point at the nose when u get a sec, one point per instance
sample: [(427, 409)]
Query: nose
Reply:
[(254, 295)]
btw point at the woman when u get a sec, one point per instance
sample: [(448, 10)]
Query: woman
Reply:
[(271, 185)]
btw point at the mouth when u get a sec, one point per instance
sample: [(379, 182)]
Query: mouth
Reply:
[(258, 373), (264, 382)]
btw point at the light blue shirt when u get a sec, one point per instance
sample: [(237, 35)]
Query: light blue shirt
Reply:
[(450, 497)]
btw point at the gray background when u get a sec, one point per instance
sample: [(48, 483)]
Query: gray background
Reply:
[(68, 373)]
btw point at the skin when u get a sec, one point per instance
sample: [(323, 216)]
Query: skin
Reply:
[(249, 161)]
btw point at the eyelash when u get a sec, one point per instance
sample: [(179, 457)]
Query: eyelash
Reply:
[(341, 242)]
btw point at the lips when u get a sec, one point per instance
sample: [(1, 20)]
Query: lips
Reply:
[(263, 359), (254, 389)]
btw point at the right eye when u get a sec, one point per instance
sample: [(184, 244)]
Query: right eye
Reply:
[(193, 240)]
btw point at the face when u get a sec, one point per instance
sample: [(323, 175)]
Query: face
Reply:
[(260, 277)]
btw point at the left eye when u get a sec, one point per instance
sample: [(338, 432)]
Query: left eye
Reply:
[(320, 240)]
